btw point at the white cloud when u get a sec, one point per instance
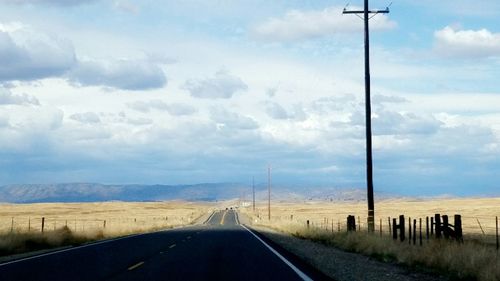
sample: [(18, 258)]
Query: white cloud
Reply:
[(233, 120), (86, 117), (119, 74), (176, 109), (394, 123), (126, 6), (299, 25), (222, 86), (50, 2), (7, 97), (29, 55), (467, 43), (276, 111)]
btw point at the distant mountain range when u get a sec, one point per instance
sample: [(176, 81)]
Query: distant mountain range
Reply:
[(95, 192)]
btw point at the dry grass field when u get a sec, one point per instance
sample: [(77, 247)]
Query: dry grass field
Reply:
[(472, 210), (75, 223), (475, 259)]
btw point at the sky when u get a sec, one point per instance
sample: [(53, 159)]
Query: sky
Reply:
[(179, 92)]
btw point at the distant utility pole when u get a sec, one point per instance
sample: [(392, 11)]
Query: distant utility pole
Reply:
[(368, 111), (253, 192), (269, 192)]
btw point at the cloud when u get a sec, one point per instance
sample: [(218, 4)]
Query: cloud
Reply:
[(28, 55), (139, 121), (300, 25), (50, 2), (118, 74), (86, 118), (380, 99), (222, 86), (126, 6), (467, 43), (395, 123), (6, 97), (176, 109), (232, 119), (276, 111)]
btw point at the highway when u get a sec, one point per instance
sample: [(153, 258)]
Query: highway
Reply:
[(220, 249)]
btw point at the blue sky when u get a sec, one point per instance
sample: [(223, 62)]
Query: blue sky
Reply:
[(214, 91)]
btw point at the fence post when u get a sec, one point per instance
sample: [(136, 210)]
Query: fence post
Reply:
[(394, 230), (307, 224), (432, 226), (427, 228), (12, 225), (104, 224), (29, 224), (402, 227), (496, 219), (420, 230), (437, 225), (446, 226), (43, 223), (458, 228), (389, 221), (351, 223), (380, 226), (66, 223), (409, 230), (339, 225), (414, 231)]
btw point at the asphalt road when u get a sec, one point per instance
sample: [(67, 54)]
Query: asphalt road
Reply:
[(221, 249)]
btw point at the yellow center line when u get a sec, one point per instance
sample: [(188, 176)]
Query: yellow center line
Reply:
[(223, 216), (136, 265), (171, 246)]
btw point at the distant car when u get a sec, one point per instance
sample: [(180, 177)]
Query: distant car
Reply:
[(226, 208)]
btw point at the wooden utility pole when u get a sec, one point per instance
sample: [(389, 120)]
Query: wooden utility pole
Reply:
[(269, 192), (368, 111)]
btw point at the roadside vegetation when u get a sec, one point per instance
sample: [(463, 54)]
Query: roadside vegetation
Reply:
[(474, 259), (78, 223)]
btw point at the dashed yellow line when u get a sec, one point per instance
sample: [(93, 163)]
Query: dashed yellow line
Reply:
[(223, 216), (136, 265)]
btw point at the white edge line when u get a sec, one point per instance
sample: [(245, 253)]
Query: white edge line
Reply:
[(213, 213), (236, 218), (293, 267), (82, 246)]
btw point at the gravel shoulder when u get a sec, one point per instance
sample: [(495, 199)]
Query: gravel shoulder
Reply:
[(341, 265)]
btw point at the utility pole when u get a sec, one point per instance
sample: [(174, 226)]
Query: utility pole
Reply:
[(368, 111), (253, 192), (269, 192)]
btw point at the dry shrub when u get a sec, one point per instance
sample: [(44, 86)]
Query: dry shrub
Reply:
[(15, 243)]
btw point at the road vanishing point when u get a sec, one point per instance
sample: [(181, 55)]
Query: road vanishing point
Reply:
[(220, 249)]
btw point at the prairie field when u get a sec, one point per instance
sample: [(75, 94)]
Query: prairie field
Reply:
[(478, 214), (76, 223), (475, 259)]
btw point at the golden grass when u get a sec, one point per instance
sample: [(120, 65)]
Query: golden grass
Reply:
[(75, 223), (471, 209), (470, 260)]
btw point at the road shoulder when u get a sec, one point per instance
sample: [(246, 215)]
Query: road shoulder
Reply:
[(341, 265)]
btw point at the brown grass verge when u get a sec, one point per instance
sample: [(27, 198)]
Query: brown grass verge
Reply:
[(69, 224), (472, 260)]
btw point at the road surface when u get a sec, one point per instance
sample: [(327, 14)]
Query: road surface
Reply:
[(221, 249)]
